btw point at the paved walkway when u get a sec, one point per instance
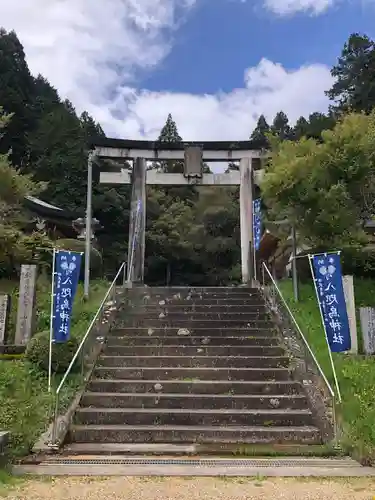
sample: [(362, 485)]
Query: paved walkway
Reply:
[(131, 488)]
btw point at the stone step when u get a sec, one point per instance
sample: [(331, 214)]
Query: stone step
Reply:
[(195, 361), (194, 341), (195, 316), (189, 290), (247, 333), (198, 309), (212, 301), (297, 451), (194, 324), (188, 350), (203, 417), (209, 387), (150, 373), (194, 434), (193, 401), (197, 297)]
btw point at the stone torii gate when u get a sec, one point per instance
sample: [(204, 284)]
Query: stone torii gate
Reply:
[(247, 153)]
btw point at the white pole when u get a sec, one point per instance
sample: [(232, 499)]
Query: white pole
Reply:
[(255, 264), (51, 323), (88, 225), (325, 331), (254, 249)]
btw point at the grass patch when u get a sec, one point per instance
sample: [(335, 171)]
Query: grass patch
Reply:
[(26, 405), (8, 482), (356, 374)]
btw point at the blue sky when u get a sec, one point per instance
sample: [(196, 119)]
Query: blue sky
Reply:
[(216, 65), (222, 38)]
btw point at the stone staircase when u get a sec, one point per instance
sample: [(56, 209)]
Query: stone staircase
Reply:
[(186, 366)]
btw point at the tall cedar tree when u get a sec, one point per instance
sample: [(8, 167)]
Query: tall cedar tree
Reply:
[(354, 88), (16, 95), (281, 127), (260, 131)]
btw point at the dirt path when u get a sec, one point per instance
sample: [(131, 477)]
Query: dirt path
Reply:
[(127, 488)]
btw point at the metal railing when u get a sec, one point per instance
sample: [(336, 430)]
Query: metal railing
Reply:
[(306, 365), (89, 348)]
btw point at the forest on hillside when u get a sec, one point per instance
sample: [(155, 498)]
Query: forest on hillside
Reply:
[(192, 233)]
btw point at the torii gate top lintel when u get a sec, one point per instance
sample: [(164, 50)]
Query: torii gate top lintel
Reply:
[(194, 154), (156, 150)]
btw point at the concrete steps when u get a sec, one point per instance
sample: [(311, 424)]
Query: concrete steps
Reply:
[(199, 309), (189, 330), (173, 317), (204, 323), (198, 366), (194, 361), (193, 401), (215, 300), (187, 417), (145, 351), (119, 339), (235, 387), (194, 434), (188, 373), (119, 450)]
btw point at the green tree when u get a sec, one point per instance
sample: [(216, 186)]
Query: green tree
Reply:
[(260, 132), (301, 128), (91, 129), (327, 189), (217, 235), (16, 93), (169, 246), (58, 156), (13, 186), (280, 126), (354, 88), (15, 246), (169, 133), (314, 126)]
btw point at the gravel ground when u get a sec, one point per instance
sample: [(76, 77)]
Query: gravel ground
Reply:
[(128, 488)]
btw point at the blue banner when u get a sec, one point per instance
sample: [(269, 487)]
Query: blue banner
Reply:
[(257, 223), (67, 269), (331, 298)]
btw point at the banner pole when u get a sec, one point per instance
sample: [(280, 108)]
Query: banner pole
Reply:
[(51, 323), (254, 243), (255, 262), (325, 331)]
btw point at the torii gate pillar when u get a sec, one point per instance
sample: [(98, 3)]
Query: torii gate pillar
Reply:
[(137, 224), (246, 220)]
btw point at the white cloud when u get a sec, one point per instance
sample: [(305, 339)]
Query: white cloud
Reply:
[(268, 88), (88, 48), (286, 7), (91, 51)]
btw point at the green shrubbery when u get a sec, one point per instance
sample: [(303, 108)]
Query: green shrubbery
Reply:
[(37, 353), (25, 403)]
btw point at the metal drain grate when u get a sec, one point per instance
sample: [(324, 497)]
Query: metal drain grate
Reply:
[(205, 462)]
